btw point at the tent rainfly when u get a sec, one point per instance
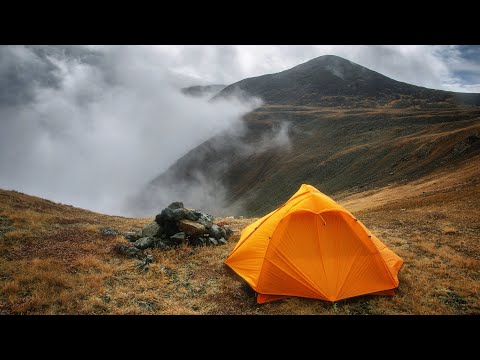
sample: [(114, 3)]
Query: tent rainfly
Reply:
[(312, 247)]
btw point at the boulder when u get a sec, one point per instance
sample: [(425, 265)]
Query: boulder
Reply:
[(152, 230), (180, 213), (108, 231), (198, 241), (193, 215), (217, 232), (206, 220), (127, 250), (132, 236), (170, 228), (144, 243), (168, 214), (165, 215), (191, 228), (159, 218), (176, 224), (178, 238), (176, 205), (224, 232)]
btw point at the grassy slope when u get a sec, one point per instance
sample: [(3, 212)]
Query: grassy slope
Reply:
[(56, 262), (335, 150), (340, 149)]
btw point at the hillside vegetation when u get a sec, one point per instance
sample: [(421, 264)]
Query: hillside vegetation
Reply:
[(54, 260), (333, 149)]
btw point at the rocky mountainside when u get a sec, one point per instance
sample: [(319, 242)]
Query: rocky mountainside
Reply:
[(333, 81), (348, 146)]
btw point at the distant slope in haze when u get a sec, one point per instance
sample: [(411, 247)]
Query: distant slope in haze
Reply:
[(203, 91)]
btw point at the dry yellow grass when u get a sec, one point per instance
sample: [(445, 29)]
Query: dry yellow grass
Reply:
[(55, 261)]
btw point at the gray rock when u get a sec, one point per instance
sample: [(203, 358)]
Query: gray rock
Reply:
[(224, 232), (168, 214), (206, 220), (132, 236), (178, 238), (191, 228), (180, 213), (152, 230), (134, 252), (127, 250), (222, 241), (176, 205), (193, 215), (165, 215), (198, 241), (217, 232), (108, 231), (179, 224), (144, 243), (170, 228), (159, 218)]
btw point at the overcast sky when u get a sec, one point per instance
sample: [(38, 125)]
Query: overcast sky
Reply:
[(89, 125)]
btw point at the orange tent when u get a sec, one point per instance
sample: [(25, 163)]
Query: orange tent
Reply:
[(312, 247)]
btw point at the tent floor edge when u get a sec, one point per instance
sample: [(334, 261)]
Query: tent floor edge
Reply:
[(389, 292), (265, 298)]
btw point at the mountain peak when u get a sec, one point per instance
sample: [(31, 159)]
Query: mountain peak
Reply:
[(331, 80), (335, 65), (326, 59)]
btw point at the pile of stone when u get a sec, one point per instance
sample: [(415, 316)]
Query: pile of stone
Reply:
[(108, 231), (175, 226)]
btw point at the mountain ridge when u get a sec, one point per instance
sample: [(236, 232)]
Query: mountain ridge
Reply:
[(331, 80)]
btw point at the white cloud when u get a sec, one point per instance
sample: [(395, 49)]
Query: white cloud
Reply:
[(90, 143)]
